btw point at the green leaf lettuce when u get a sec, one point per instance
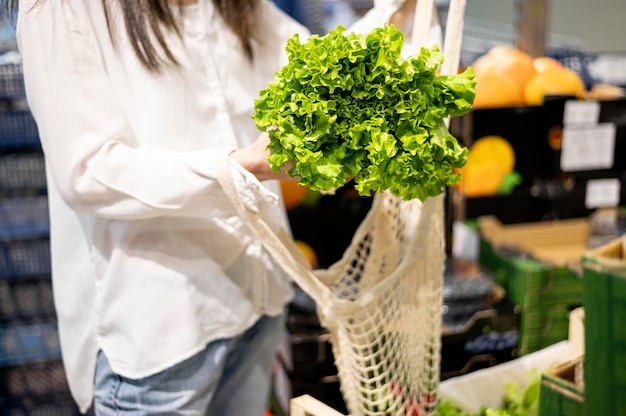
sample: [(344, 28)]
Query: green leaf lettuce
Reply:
[(349, 106)]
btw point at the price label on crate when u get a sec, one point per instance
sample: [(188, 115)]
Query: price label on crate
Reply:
[(602, 193), (581, 112), (588, 147)]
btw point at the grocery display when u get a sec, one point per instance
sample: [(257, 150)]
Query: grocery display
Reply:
[(32, 377), (545, 140)]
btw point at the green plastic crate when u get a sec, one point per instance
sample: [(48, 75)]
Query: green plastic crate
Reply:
[(561, 392), (544, 291), (604, 301), (541, 326), (531, 282)]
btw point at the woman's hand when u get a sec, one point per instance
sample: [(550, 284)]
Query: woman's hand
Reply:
[(401, 16), (254, 159)]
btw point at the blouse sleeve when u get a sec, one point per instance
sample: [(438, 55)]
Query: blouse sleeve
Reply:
[(95, 161)]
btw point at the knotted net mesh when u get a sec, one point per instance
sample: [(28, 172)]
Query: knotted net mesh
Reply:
[(383, 309), (382, 301)]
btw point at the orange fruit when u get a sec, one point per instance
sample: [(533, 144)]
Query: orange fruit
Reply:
[(553, 81), (495, 91), (509, 63), (308, 251), (543, 63), (490, 159), (293, 193), (493, 147), (481, 179)]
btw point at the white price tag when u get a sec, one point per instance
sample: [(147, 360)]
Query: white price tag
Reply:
[(588, 147), (602, 193), (465, 242), (581, 112)]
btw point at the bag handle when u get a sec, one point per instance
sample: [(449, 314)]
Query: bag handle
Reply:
[(422, 20), (280, 245)]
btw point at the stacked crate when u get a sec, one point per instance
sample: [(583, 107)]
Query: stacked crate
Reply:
[(32, 378), (535, 264)]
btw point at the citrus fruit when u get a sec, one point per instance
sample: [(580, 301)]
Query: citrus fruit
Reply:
[(490, 159), (494, 91), (293, 193), (543, 63), (496, 148), (481, 179), (553, 81), (509, 63), (308, 251)]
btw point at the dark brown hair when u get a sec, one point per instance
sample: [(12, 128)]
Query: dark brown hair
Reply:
[(147, 21)]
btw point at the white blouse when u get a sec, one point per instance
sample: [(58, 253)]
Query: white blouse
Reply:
[(150, 260)]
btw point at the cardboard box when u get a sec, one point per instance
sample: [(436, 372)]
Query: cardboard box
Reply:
[(562, 390), (604, 300), (538, 264)]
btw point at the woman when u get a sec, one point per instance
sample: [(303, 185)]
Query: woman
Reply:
[(167, 303)]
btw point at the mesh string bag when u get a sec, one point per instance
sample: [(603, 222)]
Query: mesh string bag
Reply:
[(381, 302)]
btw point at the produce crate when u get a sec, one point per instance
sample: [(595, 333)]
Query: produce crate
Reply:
[(542, 326), (604, 300), (532, 130), (313, 364), (25, 258), (554, 181), (12, 81), (26, 301), (487, 387), (24, 216), (35, 382), (562, 390), (28, 343), (470, 348), (66, 407), (538, 266), (22, 171), (18, 129)]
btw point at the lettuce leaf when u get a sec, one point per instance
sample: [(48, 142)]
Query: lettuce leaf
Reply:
[(349, 106)]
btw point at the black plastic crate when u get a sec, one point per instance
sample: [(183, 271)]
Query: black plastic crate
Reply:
[(35, 382), (25, 258), (22, 171), (26, 301), (12, 81), (29, 343), (18, 129), (58, 408), (24, 216)]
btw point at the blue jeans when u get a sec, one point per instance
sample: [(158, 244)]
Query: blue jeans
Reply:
[(229, 377)]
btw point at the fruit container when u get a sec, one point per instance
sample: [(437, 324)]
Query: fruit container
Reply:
[(558, 153), (22, 171), (26, 301), (41, 381), (541, 326), (24, 216), (27, 258), (12, 81), (538, 265), (536, 132), (29, 343), (18, 130), (562, 390), (604, 302)]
